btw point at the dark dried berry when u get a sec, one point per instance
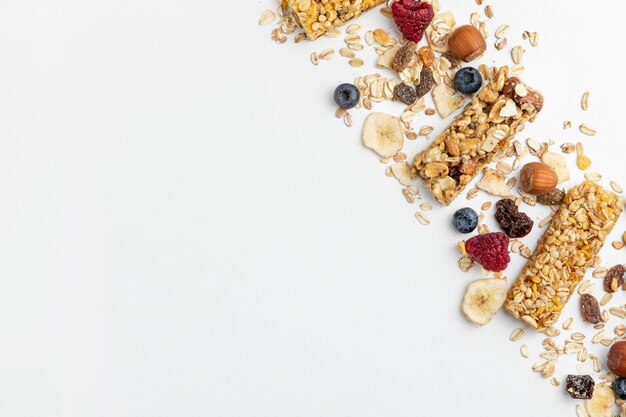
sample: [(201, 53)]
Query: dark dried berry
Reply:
[(403, 57), (580, 387), (551, 198), (427, 82), (512, 221), (614, 278), (590, 309), (404, 93)]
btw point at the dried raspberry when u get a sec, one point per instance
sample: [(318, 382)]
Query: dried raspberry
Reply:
[(491, 250), (412, 18), (427, 81), (513, 222), (404, 93)]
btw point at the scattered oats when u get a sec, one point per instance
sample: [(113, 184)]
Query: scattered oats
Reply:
[(388, 172), (548, 370), (567, 124), (598, 337), (504, 168), (584, 287), (426, 207), (516, 335), (578, 337), (499, 44), (585, 129), (525, 34), (489, 11), (555, 382), (502, 31), (580, 411), (347, 53), (267, 17), (618, 244), (605, 316), (367, 103), (524, 351), (584, 102), (340, 113), (384, 160), (347, 119), (327, 54), (425, 130), (517, 53), (369, 38), (516, 70), (548, 355), (332, 33), (539, 365), (486, 205), (534, 39), (411, 135), (525, 251), (356, 62), (472, 193), (381, 36), (352, 29), (299, 37), (483, 229), (356, 46), (596, 364), (615, 186), (516, 163), (315, 58), (475, 20), (530, 200), (593, 176), (399, 157), (352, 39), (483, 30), (413, 189), (618, 312), (599, 272), (567, 324), (511, 182), (620, 330), (568, 148), (421, 217), (386, 11), (407, 195)]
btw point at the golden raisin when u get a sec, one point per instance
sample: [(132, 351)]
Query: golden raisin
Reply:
[(427, 55)]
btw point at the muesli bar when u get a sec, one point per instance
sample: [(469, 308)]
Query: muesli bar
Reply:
[(483, 131), (318, 16), (575, 236)]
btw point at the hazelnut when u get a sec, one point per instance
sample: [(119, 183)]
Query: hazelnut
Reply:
[(466, 43), (537, 178), (617, 359)]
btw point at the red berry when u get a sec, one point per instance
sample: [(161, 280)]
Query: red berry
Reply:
[(412, 18), (490, 250)]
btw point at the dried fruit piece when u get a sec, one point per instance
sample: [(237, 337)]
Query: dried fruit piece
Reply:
[(382, 134), (601, 404), (493, 183), (580, 387), (412, 18), (554, 197), (427, 81), (590, 309), (483, 298), (491, 250), (511, 220), (404, 93), (614, 279), (403, 57), (426, 55), (558, 163)]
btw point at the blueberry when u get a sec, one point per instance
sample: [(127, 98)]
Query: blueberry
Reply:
[(465, 220), (468, 80), (347, 96), (619, 386)]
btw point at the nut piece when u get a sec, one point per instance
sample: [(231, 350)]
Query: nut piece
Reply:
[(467, 43), (616, 360), (537, 178)]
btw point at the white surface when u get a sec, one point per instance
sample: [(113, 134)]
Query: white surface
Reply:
[(186, 230)]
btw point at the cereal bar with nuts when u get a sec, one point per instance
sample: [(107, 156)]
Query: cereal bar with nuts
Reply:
[(476, 136), (575, 236), (318, 16)]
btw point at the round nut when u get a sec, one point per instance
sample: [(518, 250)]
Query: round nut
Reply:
[(466, 43), (538, 178), (617, 359)]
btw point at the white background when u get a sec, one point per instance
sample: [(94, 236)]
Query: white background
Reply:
[(186, 229)]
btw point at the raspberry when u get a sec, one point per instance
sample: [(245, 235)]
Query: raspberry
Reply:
[(490, 250), (412, 18)]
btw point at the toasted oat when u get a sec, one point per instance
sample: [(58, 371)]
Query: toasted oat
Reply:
[(524, 351), (580, 411), (408, 196), (585, 129), (425, 130), (429, 111), (426, 206), (472, 193), (593, 176), (618, 312), (489, 11), (534, 39), (475, 20), (267, 17), (347, 53), (618, 244), (584, 101), (486, 205), (567, 324), (567, 124), (568, 148), (353, 28), (620, 330), (599, 272), (347, 119), (356, 62), (483, 30), (502, 31), (315, 58), (615, 186), (500, 43), (516, 335), (544, 222), (516, 70), (517, 53)]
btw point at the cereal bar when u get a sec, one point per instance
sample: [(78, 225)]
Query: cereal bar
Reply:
[(318, 16), (574, 238), (476, 136)]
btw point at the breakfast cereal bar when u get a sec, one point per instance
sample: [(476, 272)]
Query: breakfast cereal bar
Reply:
[(318, 16), (476, 136), (574, 238)]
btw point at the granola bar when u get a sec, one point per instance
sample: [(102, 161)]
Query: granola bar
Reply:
[(318, 16), (574, 238), (476, 136)]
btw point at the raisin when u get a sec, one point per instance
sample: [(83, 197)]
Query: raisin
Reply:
[(512, 221), (426, 82), (427, 56), (614, 278), (403, 57), (404, 93), (580, 387), (590, 309), (551, 198)]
